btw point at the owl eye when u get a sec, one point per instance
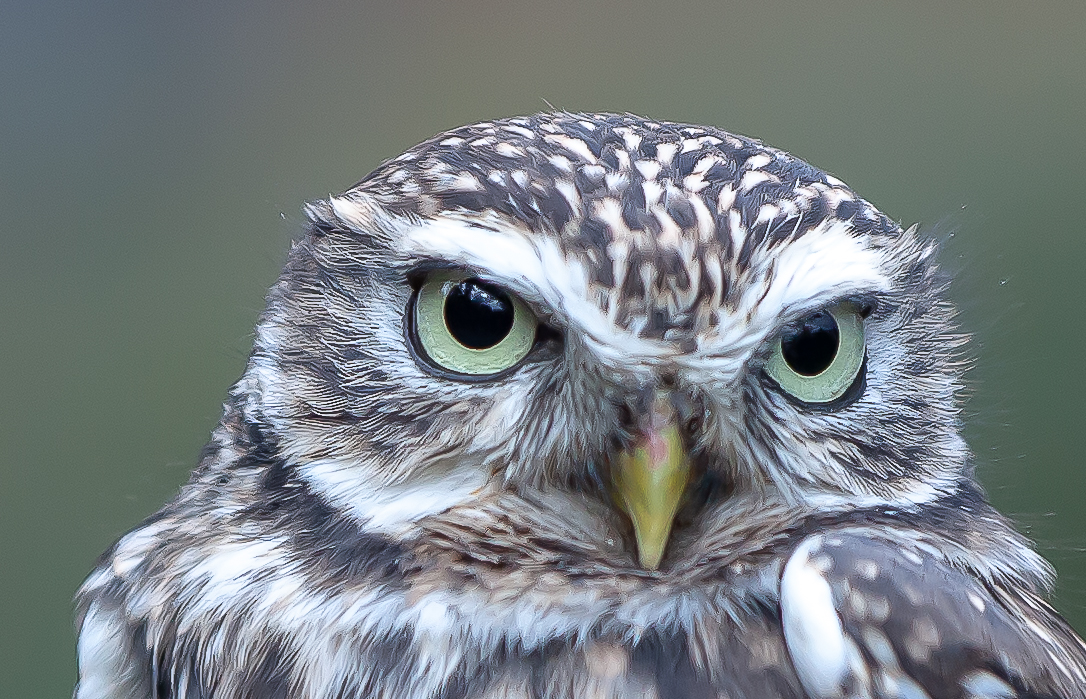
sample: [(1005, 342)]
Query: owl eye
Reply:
[(470, 326), (818, 359)]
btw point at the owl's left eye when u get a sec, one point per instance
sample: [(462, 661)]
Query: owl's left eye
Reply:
[(471, 326), (819, 358)]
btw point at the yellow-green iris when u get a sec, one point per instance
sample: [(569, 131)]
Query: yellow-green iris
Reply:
[(819, 359), (469, 326)]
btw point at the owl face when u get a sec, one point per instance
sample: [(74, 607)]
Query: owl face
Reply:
[(648, 327)]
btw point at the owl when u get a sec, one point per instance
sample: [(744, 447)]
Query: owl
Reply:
[(588, 405)]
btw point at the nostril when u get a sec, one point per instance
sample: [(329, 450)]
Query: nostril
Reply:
[(625, 416), (690, 411), (668, 381)]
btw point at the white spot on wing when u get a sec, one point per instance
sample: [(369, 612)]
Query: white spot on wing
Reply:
[(630, 138), (653, 193), (766, 213), (561, 162), (463, 182), (520, 131), (812, 629), (982, 684), (227, 570)]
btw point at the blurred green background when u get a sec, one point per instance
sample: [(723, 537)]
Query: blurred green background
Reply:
[(154, 157)]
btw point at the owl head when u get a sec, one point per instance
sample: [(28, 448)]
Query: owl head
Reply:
[(625, 331)]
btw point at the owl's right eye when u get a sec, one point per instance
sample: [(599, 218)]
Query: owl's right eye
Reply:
[(469, 326)]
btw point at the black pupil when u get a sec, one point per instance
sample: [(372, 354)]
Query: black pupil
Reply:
[(478, 315), (810, 349)]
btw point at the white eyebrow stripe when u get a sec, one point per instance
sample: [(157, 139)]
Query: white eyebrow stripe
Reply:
[(534, 266), (824, 264)]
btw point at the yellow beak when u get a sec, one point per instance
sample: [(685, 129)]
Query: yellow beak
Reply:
[(649, 480)]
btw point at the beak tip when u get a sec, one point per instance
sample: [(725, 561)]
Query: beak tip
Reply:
[(651, 546), (651, 561)]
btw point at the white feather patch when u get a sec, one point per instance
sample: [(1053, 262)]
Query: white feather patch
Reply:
[(822, 265), (391, 508), (535, 267), (226, 572), (133, 548), (812, 629), (911, 496), (103, 657)]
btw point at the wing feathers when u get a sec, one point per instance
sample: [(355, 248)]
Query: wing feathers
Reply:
[(867, 617)]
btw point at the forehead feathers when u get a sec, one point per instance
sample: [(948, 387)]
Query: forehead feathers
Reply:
[(670, 223)]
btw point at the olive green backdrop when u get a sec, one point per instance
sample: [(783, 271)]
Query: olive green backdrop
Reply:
[(154, 158)]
